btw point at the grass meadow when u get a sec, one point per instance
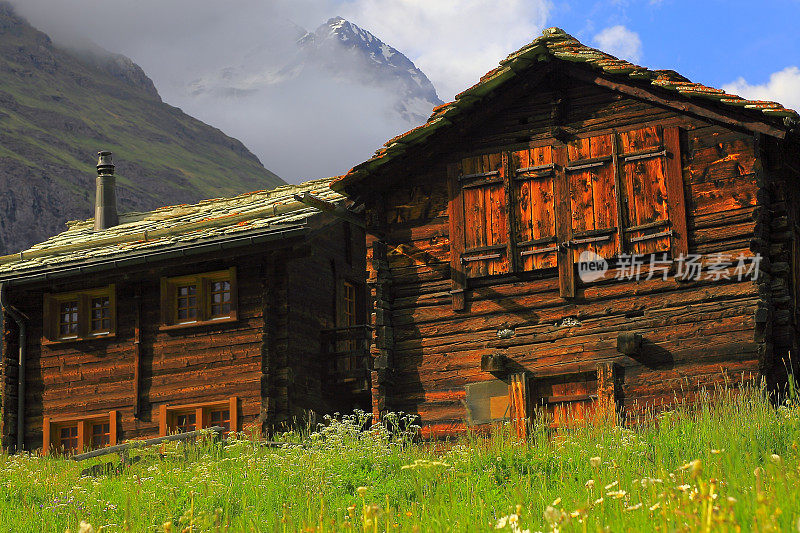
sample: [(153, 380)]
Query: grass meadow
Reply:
[(731, 462)]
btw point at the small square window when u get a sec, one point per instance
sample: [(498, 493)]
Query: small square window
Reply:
[(101, 435), (185, 422), (68, 438), (79, 315), (198, 299)]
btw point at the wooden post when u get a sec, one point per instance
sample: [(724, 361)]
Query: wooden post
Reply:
[(46, 436), (112, 428), (566, 264), (137, 352), (455, 210), (676, 204), (233, 406), (162, 420), (606, 392)]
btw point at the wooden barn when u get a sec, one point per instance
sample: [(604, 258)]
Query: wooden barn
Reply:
[(576, 231), (243, 312)]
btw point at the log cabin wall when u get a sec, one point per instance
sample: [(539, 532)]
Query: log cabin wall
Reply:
[(695, 333), (314, 300), (190, 365)]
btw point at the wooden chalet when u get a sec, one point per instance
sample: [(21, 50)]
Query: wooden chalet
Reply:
[(243, 312), (480, 224)]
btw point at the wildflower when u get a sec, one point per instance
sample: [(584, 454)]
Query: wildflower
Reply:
[(361, 491), (551, 515), (775, 458), (575, 514), (731, 499), (502, 523), (85, 528), (634, 507), (612, 485), (167, 527), (717, 452), (595, 462), (598, 501), (590, 484), (617, 494), (683, 488), (655, 506), (556, 502)]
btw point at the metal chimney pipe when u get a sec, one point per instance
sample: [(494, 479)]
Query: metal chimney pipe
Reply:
[(105, 207)]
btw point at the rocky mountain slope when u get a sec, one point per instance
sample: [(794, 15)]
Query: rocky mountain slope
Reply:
[(59, 107)]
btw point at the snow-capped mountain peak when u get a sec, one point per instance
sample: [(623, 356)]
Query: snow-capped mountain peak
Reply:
[(346, 50)]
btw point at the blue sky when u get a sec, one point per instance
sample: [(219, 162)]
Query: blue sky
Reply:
[(709, 41)]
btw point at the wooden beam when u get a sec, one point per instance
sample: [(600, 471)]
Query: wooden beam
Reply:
[(566, 264), (676, 204), (650, 95), (137, 352), (329, 207)]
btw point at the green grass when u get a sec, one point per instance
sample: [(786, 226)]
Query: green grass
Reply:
[(729, 463)]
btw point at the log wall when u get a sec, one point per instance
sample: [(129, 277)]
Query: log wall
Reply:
[(695, 333), (269, 358)]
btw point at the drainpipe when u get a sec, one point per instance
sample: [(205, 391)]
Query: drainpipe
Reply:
[(19, 319)]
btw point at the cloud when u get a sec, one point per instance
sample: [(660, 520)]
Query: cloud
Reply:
[(783, 86), (311, 127), (621, 42), (454, 42)]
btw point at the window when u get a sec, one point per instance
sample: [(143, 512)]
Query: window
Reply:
[(191, 417), (79, 434), (68, 438), (199, 299), (80, 315), (542, 207), (101, 434)]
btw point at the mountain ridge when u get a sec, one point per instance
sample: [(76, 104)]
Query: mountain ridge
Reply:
[(58, 107)]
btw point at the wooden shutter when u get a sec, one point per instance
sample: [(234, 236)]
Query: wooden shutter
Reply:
[(533, 182), (485, 216), (643, 163), (593, 200)]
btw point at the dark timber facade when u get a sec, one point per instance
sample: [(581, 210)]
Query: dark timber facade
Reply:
[(479, 220), (229, 312)]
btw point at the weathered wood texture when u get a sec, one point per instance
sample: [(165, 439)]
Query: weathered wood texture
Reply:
[(693, 331), (269, 358)]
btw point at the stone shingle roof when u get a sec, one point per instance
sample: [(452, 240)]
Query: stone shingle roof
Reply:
[(554, 43), (166, 227)]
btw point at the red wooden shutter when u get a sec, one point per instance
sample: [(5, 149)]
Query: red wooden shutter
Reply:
[(485, 216), (644, 177), (593, 202), (533, 178)]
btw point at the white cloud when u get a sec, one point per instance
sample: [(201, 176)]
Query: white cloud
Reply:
[(621, 42), (454, 42), (783, 86)]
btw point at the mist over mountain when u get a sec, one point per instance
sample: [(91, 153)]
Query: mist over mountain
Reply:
[(339, 90), (59, 106)]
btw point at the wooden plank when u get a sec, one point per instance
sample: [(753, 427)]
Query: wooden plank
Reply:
[(604, 194), (676, 202), (457, 239), (512, 259), (566, 266), (681, 105)]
